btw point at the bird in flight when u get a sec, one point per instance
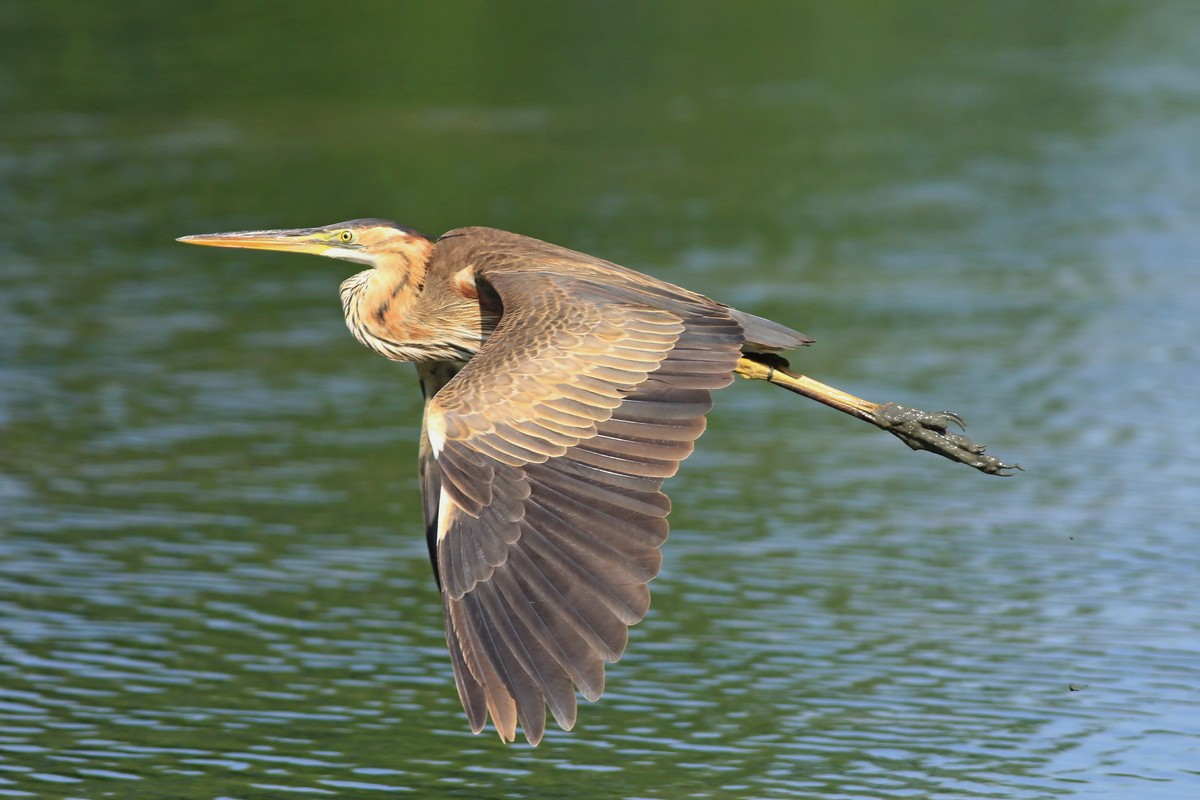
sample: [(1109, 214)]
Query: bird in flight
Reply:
[(560, 391)]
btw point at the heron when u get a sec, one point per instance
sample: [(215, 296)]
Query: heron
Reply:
[(560, 391)]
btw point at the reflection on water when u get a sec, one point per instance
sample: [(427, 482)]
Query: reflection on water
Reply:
[(212, 581)]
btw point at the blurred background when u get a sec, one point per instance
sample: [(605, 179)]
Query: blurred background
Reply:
[(213, 581)]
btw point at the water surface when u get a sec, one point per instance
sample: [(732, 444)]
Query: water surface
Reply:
[(212, 577)]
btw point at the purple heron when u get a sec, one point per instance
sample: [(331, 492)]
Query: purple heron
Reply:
[(560, 391)]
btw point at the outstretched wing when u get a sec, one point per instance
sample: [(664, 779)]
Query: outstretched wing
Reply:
[(544, 457)]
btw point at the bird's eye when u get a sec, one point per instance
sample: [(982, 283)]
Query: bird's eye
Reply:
[(346, 236)]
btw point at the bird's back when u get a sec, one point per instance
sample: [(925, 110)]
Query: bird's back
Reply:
[(483, 250)]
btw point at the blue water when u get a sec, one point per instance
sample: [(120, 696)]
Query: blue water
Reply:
[(212, 577)]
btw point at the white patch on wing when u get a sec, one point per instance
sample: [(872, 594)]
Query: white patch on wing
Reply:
[(435, 429), (466, 275), (447, 512)]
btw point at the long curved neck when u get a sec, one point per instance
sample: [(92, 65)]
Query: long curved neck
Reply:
[(387, 309)]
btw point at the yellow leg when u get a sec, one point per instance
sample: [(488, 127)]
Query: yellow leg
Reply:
[(920, 430), (813, 389)]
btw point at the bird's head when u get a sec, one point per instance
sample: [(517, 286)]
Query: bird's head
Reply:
[(377, 243)]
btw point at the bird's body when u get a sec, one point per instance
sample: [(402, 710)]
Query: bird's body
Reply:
[(560, 391)]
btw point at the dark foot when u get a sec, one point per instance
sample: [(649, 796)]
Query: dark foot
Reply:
[(922, 430)]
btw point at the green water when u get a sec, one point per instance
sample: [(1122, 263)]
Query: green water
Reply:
[(213, 582)]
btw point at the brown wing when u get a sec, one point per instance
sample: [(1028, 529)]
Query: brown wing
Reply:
[(547, 454)]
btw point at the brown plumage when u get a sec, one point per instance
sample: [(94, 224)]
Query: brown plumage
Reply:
[(560, 391)]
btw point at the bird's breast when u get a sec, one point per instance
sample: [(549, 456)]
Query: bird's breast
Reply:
[(444, 322)]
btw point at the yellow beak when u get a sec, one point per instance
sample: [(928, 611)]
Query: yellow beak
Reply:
[(298, 240)]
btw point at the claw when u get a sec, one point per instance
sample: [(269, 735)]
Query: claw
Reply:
[(956, 419), (922, 430)]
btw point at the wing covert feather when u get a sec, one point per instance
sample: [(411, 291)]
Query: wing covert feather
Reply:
[(549, 449)]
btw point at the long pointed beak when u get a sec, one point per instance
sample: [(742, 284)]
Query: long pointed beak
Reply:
[(297, 240)]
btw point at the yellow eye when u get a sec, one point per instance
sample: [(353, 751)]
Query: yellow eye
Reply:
[(347, 237)]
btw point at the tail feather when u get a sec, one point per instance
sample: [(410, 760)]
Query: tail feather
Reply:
[(765, 336)]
